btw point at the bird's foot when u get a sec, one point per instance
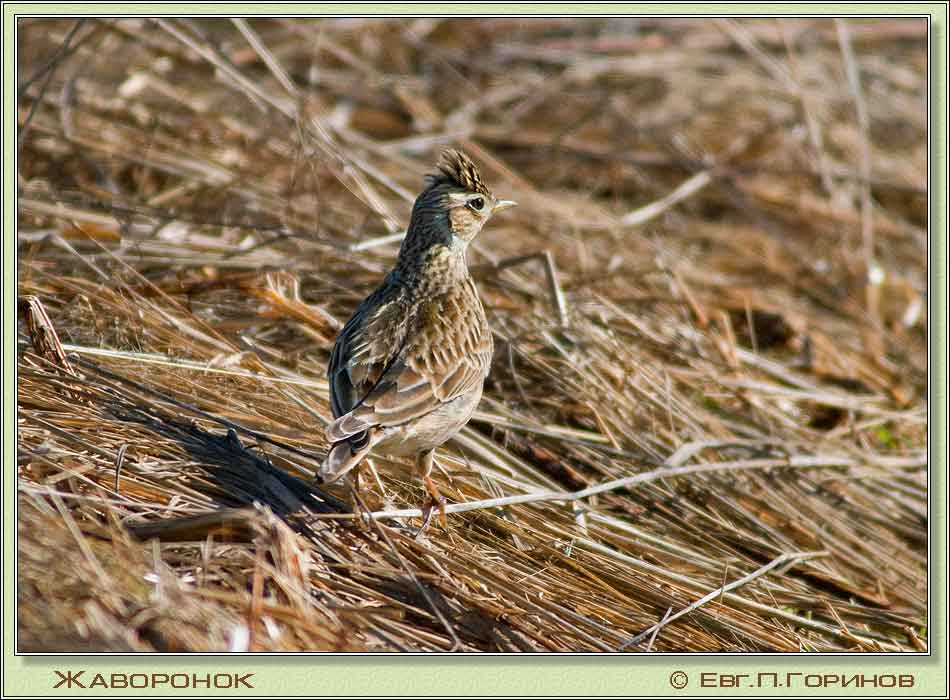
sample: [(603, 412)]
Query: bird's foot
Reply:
[(435, 499), (357, 505)]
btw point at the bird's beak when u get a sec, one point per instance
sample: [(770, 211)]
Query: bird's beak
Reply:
[(503, 204)]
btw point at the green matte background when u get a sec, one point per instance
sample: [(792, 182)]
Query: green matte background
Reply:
[(323, 675)]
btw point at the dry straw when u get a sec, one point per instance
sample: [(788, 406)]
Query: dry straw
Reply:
[(705, 426)]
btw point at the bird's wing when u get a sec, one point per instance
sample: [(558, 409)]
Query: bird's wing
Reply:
[(443, 351), (367, 347)]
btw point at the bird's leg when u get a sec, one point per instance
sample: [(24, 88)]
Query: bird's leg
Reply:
[(426, 462), (354, 483), (424, 465)]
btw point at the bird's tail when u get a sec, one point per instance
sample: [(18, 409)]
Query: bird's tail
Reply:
[(347, 454)]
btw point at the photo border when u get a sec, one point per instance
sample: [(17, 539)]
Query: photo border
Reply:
[(525, 674)]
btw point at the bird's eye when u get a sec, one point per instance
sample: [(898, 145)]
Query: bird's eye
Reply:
[(478, 203)]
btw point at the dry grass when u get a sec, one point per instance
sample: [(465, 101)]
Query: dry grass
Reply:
[(735, 397)]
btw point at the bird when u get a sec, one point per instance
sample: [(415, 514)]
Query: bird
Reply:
[(408, 368)]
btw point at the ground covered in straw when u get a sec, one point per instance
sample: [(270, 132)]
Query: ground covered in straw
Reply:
[(705, 425)]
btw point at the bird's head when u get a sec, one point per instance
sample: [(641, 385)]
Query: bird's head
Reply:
[(455, 204)]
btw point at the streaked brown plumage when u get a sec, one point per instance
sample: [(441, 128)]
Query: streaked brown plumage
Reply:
[(407, 369)]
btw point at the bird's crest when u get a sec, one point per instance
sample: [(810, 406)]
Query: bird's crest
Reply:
[(457, 168)]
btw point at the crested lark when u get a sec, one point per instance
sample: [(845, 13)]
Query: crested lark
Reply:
[(407, 369)]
